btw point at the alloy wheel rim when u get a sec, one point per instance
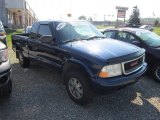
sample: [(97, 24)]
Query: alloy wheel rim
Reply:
[(75, 88), (158, 72)]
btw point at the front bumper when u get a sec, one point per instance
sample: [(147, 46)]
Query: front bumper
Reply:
[(119, 81)]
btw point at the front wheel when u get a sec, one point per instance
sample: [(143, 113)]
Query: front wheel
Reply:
[(156, 72), (78, 87)]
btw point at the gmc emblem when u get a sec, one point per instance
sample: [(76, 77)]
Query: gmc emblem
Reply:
[(134, 63)]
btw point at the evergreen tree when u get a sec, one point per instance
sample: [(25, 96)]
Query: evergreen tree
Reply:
[(156, 22), (82, 17), (135, 16)]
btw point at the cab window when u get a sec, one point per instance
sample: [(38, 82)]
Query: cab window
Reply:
[(110, 34), (44, 30)]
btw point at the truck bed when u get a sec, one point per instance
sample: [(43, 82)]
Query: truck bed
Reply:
[(19, 38)]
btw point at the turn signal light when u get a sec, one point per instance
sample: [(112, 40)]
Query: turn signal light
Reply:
[(103, 74)]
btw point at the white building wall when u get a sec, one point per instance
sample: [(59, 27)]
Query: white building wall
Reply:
[(16, 4), (16, 13)]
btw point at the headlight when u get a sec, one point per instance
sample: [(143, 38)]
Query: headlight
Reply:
[(111, 71), (4, 55)]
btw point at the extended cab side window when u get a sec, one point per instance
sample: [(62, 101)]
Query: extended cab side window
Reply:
[(44, 30), (110, 34)]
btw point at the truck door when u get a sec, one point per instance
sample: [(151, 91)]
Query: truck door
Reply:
[(48, 52), (33, 41)]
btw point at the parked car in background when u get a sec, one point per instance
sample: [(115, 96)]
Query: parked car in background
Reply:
[(88, 61), (2, 34), (28, 29), (144, 39), (132, 25), (147, 27), (5, 72)]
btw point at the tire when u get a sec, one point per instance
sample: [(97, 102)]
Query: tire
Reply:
[(78, 87), (156, 72), (24, 62), (6, 89)]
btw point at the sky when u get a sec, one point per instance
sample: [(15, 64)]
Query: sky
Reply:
[(97, 9)]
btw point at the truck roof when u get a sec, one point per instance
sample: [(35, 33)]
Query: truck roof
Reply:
[(49, 21)]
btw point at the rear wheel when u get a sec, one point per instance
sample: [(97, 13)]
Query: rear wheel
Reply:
[(156, 72), (24, 62), (78, 87)]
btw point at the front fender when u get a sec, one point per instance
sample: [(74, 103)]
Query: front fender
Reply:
[(74, 62)]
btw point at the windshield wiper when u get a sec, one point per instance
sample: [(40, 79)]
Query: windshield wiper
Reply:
[(94, 37)]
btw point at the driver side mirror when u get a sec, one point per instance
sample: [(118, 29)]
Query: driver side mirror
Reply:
[(46, 39), (33, 35)]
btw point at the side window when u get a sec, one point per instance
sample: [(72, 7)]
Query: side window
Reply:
[(132, 38), (44, 30), (126, 37), (110, 34), (122, 36)]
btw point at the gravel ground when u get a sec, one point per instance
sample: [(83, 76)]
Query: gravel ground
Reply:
[(38, 94)]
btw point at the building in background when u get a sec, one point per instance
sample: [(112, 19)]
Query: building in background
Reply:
[(16, 13)]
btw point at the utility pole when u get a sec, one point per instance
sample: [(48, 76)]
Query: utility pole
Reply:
[(25, 14)]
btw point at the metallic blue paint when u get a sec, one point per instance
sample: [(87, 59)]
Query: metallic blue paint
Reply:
[(100, 49)]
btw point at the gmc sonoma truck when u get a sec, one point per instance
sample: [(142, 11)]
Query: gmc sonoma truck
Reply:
[(88, 61)]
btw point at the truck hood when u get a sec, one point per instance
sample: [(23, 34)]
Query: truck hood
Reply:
[(2, 46), (102, 49)]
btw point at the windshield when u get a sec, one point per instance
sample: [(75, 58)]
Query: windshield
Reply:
[(69, 31), (149, 38)]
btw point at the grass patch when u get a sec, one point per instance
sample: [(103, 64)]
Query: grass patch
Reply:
[(103, 27), (157, 30), (10, 33)]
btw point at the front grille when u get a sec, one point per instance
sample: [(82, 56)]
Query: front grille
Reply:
[(133, 65)]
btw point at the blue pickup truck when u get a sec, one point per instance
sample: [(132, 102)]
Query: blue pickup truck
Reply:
[(88, 61)]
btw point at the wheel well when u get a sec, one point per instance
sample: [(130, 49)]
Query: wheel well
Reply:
[(17, 48), (154, 61), (73, 66)]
